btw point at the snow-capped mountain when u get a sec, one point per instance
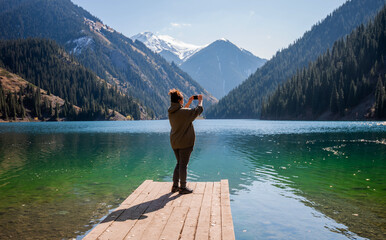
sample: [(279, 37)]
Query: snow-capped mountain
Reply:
[(218, 67), (130, 66), (171, 49)]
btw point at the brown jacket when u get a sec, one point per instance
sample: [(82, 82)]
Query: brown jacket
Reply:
[(182, 133)]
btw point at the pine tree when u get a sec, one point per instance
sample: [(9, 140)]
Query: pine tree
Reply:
[(334, 100), (2, 101), (351, 101), (380, 97), (106, 111), (57, 111), (23, 114), (12, 105), (36, 101), (341, 104), (21, 109), (50, 111)]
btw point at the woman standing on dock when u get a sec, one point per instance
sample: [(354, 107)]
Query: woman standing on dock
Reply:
[(182, 135)]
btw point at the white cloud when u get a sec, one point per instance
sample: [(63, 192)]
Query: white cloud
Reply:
[(180, 25)]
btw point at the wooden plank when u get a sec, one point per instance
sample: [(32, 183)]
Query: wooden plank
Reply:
[(227, 223), (160, 219), (185, 197), (225, 200), (177, 201), (169, 202), (108, 220), (215, 214), (158, 223), (207, 201), (118, 227), (226, 214), (153, 212), (140, 226), (200, 188), (122, 225), (166, 197), (188, 199), (137, 191), (175, 223), (189, 229), (202, 231), (175, 197)]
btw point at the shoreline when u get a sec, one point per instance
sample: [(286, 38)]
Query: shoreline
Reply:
[(383, 121)]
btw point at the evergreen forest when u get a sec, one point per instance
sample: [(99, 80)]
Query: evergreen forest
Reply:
[(245, 101), (46, 65), (129, 65), (351, 73)]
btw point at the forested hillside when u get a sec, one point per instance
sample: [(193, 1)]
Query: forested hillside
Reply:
[(131, 66), (245, 100), (23, 101), (353, 72), (47, 66)]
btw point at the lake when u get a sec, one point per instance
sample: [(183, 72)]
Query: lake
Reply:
[(288, 179)]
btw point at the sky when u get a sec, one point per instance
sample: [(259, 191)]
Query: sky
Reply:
[(260, 26)]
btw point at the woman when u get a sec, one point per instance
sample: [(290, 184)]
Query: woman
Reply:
[(182, 135)]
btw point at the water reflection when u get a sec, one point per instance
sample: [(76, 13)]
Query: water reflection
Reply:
[(58, 185), (288, 179), (334, 180)]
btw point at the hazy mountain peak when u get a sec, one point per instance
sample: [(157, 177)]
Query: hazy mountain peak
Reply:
[(231, 45), (221, 66), (224, 40)]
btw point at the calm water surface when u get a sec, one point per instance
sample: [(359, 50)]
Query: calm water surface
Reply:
[(288, 180)]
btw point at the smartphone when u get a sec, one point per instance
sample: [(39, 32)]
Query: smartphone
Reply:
[(195, 97)]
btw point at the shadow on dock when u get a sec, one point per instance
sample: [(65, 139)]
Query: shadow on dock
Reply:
[(138, 211), (153, 212)]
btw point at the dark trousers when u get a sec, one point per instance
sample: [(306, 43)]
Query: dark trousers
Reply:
[(180, 171)]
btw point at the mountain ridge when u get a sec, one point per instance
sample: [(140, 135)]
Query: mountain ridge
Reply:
[(245, 100), (221, 66), (134, 69), (203, 63), (51, 71), (348, 81)]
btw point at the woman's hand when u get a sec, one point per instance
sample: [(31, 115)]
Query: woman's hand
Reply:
[(200, 100), (189, 102)]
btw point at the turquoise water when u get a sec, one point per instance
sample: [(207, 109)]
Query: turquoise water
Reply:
[(288, 180)]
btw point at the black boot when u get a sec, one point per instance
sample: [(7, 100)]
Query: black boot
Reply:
[(185, 190), (175, 189)]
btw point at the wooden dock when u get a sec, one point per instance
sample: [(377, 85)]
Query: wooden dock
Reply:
[(153, 212)]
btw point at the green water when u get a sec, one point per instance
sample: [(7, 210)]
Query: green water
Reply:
[(288, 180)]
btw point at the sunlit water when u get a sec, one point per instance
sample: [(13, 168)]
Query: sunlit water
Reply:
[(288, 180)]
